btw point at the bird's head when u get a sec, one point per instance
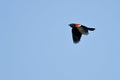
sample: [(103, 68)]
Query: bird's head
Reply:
[(74, 25)]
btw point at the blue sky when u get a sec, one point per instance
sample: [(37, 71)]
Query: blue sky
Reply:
[(36, 41)]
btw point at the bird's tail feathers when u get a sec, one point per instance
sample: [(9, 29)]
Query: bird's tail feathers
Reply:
[(91, 29)]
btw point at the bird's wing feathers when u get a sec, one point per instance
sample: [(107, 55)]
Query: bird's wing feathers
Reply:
[(83, 30), (76, 35)]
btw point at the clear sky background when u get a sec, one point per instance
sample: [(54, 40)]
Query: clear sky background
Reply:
[(36, 41)]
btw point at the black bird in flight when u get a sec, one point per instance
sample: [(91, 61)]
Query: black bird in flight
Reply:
[(78, 30)]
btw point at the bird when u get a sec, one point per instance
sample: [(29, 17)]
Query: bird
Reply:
[(78, 30)]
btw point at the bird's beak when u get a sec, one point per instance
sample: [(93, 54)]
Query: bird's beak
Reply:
[(69, 24)]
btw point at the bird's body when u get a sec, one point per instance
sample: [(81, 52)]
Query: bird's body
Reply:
[(78, 30)]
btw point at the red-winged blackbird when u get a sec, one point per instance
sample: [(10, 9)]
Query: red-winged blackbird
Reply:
[(78, 30)]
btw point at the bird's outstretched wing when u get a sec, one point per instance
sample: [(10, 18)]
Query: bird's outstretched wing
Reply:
[(83, 30), (76, 35)]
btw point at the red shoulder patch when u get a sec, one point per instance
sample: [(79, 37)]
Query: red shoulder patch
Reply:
[(77, 25)]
